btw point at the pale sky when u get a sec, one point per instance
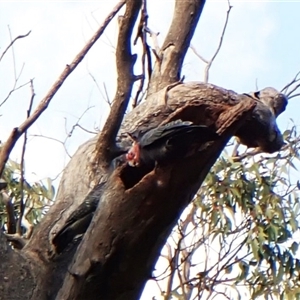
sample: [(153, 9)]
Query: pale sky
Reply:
[(262, 44)]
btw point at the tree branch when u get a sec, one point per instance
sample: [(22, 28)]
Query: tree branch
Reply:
[(12, 42), (168, 68), (125, 61), (284, 90)]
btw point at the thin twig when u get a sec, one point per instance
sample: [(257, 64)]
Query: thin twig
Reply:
[(156, 49), (22, 167), (86, 130), (77, 123), (12, 42), (143, 37), (198, 55), (53, 139), (68, 133), (286, 87), (106, 95), (208, 66), (289, 94), (13, 54), (13, 90), (294, 96)]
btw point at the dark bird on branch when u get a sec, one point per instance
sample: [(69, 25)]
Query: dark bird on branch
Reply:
[(79, 221), (168, 142)]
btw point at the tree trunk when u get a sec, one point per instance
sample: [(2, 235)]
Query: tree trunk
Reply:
[(132, 222), (136, 211)]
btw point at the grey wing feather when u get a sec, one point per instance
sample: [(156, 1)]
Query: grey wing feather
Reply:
[(163, 131)]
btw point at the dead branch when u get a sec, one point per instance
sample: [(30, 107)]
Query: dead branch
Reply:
[(108, 101), (141, 34), (105, 97), (13, 55), (86, 130), (18, 131), (167, 70), (198, 54), (173, 262), (70, 133), (13, 90), (156, 49), (252, 153), (289, 94), (125, 61), (294, 85), (12, 42), (209, 64), (17, 241), (16, 77), (55, 140), (294, 96), (284, 90), (22, 204)]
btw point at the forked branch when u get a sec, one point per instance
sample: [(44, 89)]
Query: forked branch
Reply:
[(210, 62), (106, 148), (168, 66)]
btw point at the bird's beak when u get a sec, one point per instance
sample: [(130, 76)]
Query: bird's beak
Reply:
[(133, 163)]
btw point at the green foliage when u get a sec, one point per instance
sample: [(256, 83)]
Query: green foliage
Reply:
[(246, 215), (37, 196), (261, 191)]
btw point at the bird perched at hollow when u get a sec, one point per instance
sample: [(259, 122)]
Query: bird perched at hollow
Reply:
[(162, 144), (168, 142)]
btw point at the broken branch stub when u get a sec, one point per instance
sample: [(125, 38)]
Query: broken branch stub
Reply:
[(198, 102), (261, 129)]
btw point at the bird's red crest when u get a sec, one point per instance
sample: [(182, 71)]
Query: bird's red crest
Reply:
[(133, 155)]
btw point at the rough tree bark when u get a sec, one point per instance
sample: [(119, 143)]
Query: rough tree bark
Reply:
[(136, 212)]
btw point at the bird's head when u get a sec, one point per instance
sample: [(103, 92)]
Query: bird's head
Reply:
[(133, 155)]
